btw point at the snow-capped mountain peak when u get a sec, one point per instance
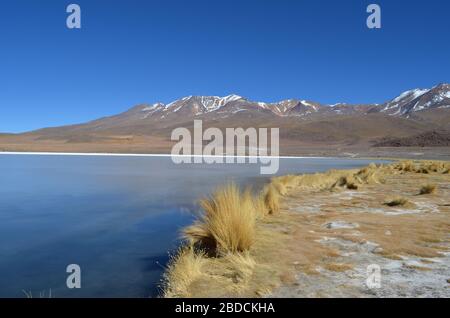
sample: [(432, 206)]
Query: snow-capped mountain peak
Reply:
[(403, 105), (414, 93), (419, 99)]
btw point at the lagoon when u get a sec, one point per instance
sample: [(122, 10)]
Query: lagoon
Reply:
[(115, 216)]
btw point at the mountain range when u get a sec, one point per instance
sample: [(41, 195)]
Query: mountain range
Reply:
[(302, 123)]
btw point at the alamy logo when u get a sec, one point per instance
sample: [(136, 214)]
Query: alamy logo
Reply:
[(74, 279), (373, 276), (73, 21), (240, 146), (374, 19)]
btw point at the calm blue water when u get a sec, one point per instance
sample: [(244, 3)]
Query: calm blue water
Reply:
[(116, 217)]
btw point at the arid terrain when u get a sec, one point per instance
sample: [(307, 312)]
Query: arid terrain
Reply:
[(319, 233), (415, 124)]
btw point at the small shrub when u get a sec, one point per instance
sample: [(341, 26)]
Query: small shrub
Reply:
[(272, 199), (182, 270), (396, 202), (407, 166), (227, 223), (279, 186), (347, 181), (427, 189), (422, 170)]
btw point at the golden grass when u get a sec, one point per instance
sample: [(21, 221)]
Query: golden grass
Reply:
[(427, 189), (347, 181), (252, 273), (279, 186), (227, 223), (288, 181), (424, 167), (184, 268), (259, 245), (332, 179), (272, 199), (242, 267), (336, 267), (260, 207), (408, 166)]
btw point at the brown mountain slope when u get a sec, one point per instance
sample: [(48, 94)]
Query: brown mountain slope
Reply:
[(427, 139), (303, 124), (353, 131)]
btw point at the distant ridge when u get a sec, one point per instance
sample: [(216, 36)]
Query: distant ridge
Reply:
[(405, 104), (414, 118), (427, 139)]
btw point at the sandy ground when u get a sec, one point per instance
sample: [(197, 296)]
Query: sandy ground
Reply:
[(352, 229)]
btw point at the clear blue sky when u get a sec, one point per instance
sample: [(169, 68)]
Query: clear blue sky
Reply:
[(131, 52)]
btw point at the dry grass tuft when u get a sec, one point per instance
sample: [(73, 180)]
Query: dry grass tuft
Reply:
[(352, 186), (427, 167), (398, 201), (424, 167), (422, 170), (406, 166), (279, 186), (184, 268), (272, 199), (227, 223), (427, 189), (346, 181), (334, 267), (369, 175), (260, 207), (242, 266), (289, 181)]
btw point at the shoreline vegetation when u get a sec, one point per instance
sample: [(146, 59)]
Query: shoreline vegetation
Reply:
[(247, 244)]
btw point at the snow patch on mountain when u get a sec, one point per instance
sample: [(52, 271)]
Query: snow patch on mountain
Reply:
[(402, 105)]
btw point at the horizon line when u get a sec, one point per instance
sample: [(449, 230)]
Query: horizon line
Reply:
[(105, 154)]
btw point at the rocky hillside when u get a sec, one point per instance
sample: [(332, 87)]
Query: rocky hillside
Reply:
[(406, 120)]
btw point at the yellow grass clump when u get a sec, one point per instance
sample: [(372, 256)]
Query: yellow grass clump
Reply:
[(183, 269), (335, 267), (227, 223), (242, 266), (370, 175), (289, 181), (406, 166), (347, 181), (352, 186), (272, 199), (260, 207), (425, 167), (427, 189), (279, 186)]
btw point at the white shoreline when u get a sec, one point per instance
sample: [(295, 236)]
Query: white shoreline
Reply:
[(99, 154)]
